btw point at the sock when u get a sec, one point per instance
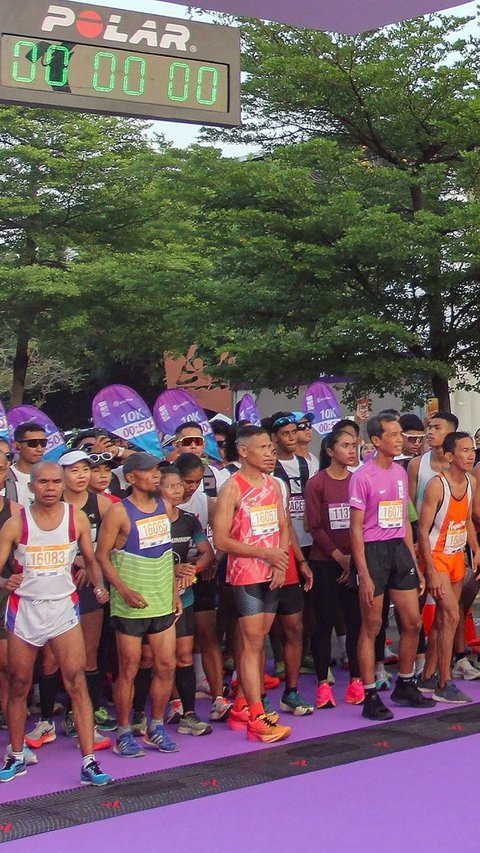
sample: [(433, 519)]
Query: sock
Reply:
[(18, 756), (143, 680), (240, 703), (49, 686), (154, 723), (93, 686), (256, 710), (404, 678), (87, 759), (370, 691), (185, 681), (122, 730), (380, 671), (199, 671)]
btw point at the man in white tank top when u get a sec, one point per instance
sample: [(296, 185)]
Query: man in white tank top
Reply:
[(423, 468), (43, 606)]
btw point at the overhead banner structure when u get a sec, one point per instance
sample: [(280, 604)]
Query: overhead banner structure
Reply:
[(175, 407), (339, 16)]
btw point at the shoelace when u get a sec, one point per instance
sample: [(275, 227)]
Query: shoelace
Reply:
[(265, 719), (93, 766)]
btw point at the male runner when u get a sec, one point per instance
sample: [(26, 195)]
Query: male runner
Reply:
[(30, 443), (135, 553), (423, 468), (189, 439), (384, 557), (444, 529), (304, 421), (251, 527), (43, 606)]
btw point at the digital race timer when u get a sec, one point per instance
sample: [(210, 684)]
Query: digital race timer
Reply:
[(103, 60)]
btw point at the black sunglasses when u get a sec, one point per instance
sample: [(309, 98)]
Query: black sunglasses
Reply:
[(303, 426), (33, 442)]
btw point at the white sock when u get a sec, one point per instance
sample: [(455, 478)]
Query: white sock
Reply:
[(87, 759)]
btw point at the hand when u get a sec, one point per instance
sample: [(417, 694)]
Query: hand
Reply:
[(366, 589), (277, 557), (210, 572), (436, 583), (13, 582), (476, 564), (101, 594), (103, 444), (184, 570), (80, 578), (278, 578), (306, 574), (345, 563), (422, 585), (133, 598), (178, 607), (186, 583)]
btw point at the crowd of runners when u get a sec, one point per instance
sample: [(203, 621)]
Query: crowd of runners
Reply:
[(133, 586)]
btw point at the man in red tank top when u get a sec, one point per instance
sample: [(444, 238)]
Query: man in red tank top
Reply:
[(251, 527)]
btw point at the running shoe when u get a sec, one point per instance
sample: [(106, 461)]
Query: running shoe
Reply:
[(127, 747), (279, 670), (270, 710), (69, 726), (191, 725), (464, 669), (93, 775), (139, 723), (355, 694), (374, 709), (308, 665), (238, 720), (159, 739), (220, 709), (450, 694), (474, 660), (104, 722), (391, 659), (202, 690), (344, 661), (265, 730), (270, 681), (382, 680), (29, 757), (12, 768), (410, 696), (325, 697), (44, 732), (293, 703), (100, 741), (428, 685), (174, 712)]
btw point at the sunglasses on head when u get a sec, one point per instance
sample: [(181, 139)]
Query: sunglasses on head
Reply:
[(288, 419), (417, 439), (303, 425), (188, 440), (100, 457), (33, 442)]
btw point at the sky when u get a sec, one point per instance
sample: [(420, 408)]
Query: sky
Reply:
[(180, 134)]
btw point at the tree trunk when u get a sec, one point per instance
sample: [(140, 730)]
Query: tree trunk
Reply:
[(20, 365), (441, 392)]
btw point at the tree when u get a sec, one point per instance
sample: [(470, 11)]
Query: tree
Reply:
[(369, 221)]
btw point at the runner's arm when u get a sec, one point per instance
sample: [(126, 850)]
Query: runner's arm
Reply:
[(9, 538), (85, 544), (412, 473)]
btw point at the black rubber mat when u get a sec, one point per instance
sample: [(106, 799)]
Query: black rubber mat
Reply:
[(61, 810)]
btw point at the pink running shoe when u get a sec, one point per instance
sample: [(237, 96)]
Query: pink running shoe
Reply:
[(355, 694), (325, 697)]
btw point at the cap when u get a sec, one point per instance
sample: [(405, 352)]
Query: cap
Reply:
[(72, 457), (140, 462), (304, 416)]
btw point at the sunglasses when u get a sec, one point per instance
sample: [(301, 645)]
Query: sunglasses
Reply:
[(415, 439), (188, 440), (221, 445), (100, 457), (10, 457), (303, 426), (33, 442), (289, 419)]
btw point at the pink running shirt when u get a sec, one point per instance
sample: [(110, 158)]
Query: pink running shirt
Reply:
[(382, 494)]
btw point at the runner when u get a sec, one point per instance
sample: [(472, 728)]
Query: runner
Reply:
[(384, 557), (43, 606), (304, 421), (135, 553), (444, 528), (101, 475), (189, 439), (30, 443), (7, 509), (251, 527), (423, 468), (413, 434), (328, 515)]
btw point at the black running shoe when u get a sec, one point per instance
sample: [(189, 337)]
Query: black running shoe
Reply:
[(374, 709), (408, 695)]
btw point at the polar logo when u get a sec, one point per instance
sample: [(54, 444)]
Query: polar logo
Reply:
[(90, 24)]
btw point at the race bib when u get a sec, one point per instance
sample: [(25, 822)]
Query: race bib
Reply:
[(339, 515), (456, 537), (264, 520), (296, 506), (390, 514), (47, 559), (153, 532)]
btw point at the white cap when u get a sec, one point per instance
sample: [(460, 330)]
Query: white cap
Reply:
[(72, 457)]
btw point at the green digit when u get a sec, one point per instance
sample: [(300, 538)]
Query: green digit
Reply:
[(207, 69), (56, 61), (126, 80), (102, 54), (181, 66), (32, 58)]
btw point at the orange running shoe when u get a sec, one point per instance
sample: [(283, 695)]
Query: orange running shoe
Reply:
[(270, 681), (355, 694), (325, 697), (238, 720), (265, 730)]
